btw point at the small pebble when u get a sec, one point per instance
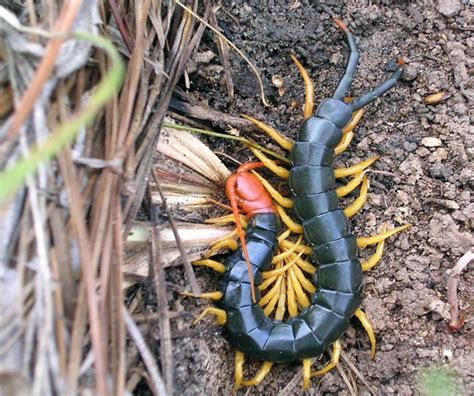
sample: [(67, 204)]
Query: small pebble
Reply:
[(431, 141), (449, 8), (410, 73)]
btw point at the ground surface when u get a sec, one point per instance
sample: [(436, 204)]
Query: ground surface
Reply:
[(426, 158)]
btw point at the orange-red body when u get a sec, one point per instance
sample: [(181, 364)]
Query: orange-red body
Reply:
[(245, 191)]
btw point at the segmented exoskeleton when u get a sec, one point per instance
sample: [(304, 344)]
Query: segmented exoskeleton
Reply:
[(326, 229)]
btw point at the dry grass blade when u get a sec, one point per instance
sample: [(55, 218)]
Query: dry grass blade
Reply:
[(166, 348), (63, 234), (358, 374), (158, 386), (187, 264)]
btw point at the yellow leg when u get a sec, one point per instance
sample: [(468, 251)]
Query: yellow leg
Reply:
[(267, 282), (336, 353), (354, 121), (281, 308), (346, 189), (282, 270), (278, 170), (228, 243), (273, 291), (215, 296), (357, 168), (230, 218), (290, 295), (305, 282), (372, 240), (375, 258), (306, 266), (261, 374), (230, 235), (283, 201), (302, 248), (344, 143), (309, 89), (220, 314), (353, 208), (239, 369), (215, 265), (286, 253), (306, 373), (268, 310), (359, 314), (278, 137), (347, 132), (283, 236), (294, 227), (299, 292)]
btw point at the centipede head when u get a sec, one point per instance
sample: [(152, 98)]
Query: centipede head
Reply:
[(246, 193)]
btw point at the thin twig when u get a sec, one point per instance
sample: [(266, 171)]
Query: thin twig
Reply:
[(158, 386), (358, 374), (457, 320), (186, 263), (166, 349), (65, 20), (254, 69)]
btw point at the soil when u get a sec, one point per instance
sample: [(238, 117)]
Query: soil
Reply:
[(424, 177)]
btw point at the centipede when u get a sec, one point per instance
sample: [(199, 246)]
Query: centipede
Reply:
[(316, 324)]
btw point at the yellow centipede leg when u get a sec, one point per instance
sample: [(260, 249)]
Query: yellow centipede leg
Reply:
[(372, 240), (281, 308), (268, 310), (347, 132), (278, 170), (278, 137), (228, 243), (344, 143), (273, 291), (346, 189), (288, 252), (220, 314), (305, 282), (215, 265), (357, 168), (359, 314), (280, 199), (230, 218), (309, 88), (306, 373), (300, 294), (294, 227), (353, 208), (375, 258), (261, 374), (336, 353), (239, 369), (301, 248), (290, 294), (306, 266), (215, 296), (356, 117)]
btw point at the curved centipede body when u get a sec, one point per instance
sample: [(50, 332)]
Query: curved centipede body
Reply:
[(325, 228)]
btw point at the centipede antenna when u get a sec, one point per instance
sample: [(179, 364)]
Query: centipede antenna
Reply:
[(380, 90), (351, 65), (230, 189)]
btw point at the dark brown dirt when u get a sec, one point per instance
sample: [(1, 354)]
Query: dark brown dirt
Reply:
[(426, 158)]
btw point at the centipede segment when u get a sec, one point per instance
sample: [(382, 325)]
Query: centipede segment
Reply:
[(267, 300)]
